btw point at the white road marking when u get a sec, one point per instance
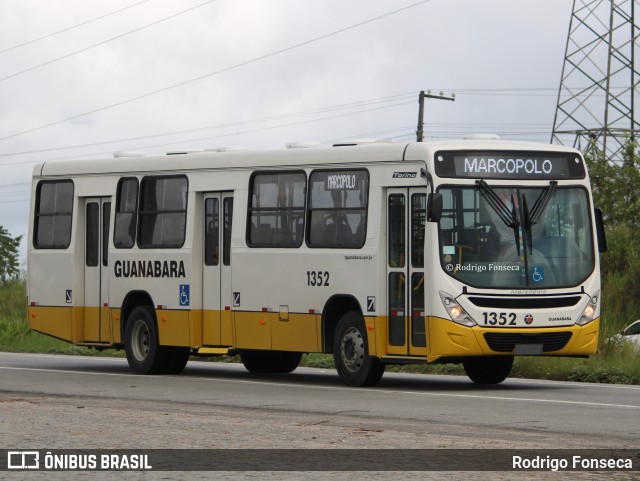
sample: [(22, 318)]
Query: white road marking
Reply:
[(337, 388)]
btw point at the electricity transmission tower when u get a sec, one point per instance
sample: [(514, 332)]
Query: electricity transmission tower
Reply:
[(596, 99)]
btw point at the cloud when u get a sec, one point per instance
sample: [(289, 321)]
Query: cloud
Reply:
[(457, 44)]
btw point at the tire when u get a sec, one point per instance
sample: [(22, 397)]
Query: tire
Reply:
[(351, 353), (289, 362), (263, 362), (176, 359), (488, 370), (144, 354), (257, 362)]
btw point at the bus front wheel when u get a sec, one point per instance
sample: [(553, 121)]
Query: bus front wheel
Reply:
[(351, 353), (144, 353), (489, 369)]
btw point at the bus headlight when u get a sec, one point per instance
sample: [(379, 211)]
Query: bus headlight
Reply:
[(455, 310), (589, 311)]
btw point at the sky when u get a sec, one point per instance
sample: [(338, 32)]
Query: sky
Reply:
[(87, 78)]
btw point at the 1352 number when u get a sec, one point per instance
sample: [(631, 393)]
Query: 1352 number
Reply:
[(317, 278), (499, 318)]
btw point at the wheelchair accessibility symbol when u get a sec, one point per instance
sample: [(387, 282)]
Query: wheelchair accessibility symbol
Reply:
[(537, 275), (184, 294)]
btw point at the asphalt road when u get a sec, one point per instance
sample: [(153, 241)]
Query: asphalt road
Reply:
[(601, 414)]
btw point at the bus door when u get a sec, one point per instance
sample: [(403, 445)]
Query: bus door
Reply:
[(406, 214), (96, 270), (216, 283)]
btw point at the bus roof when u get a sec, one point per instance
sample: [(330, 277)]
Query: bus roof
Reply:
[(482, 144), (370, 152)]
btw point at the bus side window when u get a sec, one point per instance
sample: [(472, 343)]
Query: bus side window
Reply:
[(226, 230), (276, 209), (54, 208), (212, 232), (162, 212), (124, 235), (338, 201)]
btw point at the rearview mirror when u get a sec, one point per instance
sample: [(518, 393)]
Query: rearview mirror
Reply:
[(602, 238), (434, 207)]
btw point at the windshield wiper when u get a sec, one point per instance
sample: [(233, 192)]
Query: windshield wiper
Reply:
[(507, 216), (533, 217)]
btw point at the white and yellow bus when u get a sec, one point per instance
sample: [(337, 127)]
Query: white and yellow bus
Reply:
[(470, 251)]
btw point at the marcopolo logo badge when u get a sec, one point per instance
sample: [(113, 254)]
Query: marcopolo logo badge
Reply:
[(528, 318)]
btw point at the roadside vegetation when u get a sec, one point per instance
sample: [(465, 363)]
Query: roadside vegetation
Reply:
[(615, 192)]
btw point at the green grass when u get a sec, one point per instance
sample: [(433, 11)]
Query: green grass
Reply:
[(15, 334), (616, 362)]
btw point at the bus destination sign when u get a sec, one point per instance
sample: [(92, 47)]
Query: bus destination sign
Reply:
[(509, 165)]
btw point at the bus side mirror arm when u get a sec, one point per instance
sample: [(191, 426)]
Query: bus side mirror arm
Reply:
[(434, 207), (600, 232)]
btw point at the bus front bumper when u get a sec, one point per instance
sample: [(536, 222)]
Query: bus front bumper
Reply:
[(450, 340)]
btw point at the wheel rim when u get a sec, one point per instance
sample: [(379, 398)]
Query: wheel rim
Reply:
[(140, 340), (352, 350)]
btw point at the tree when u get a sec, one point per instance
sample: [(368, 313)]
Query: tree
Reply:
[(616, 191), (615, 187), (9, 265)]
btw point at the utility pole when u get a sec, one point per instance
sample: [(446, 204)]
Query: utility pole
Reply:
[(421, 97)]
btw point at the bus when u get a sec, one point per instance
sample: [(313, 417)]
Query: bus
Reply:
[(469, 251)]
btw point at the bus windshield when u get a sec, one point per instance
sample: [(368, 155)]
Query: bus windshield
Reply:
[(516, 237)]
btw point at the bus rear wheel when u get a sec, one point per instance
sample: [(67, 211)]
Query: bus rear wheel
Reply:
[(488, 369), (144, 353), (262, 362), (351, 353)]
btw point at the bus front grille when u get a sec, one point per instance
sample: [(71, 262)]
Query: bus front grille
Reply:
[(525, 302), (506, 342)]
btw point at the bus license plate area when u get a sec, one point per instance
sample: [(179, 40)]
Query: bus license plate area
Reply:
[(528, 350)]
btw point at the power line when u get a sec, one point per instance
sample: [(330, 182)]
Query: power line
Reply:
[(460, 129), (200, 139), (104, 41), (288, 115), (263, 129), (525, 91), (13, 185), (307, 112), (368, 134), (217, 72), (359, 103), (5, 196), (14, 201), (86, 22), (21, 190)]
